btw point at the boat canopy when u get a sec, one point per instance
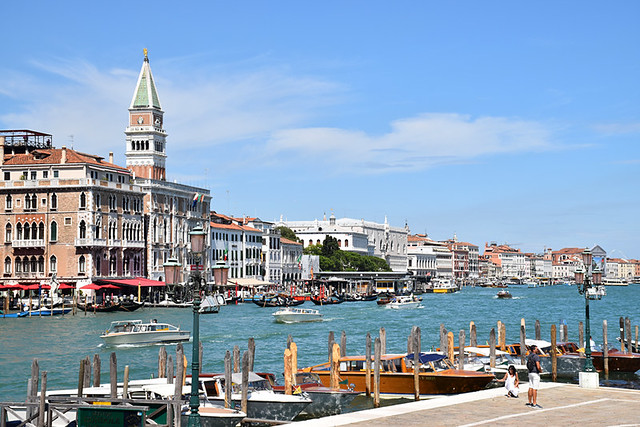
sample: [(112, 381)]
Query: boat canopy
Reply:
[(428, 357), (236, 377)]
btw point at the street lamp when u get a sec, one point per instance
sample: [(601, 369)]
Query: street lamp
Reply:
[(220, 273), (172, 273), (197, 247), (589, 283)]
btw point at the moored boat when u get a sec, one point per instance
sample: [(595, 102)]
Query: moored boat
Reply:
[(324, 400), (437, 375), (441, 286), (136, 332), (327, 301), (293, 315)]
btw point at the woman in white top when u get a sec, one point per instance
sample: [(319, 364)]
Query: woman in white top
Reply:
[(511, 382)]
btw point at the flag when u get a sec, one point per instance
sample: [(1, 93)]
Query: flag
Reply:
[(226, 253), (195, 200), (299, 261), (298, 390)]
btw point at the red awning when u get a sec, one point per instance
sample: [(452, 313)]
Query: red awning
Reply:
[(91, 286), (138, 281), (66, 286)]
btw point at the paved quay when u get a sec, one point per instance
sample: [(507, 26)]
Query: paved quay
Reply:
[(562, 404)]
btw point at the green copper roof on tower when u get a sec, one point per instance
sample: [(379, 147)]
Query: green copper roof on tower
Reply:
[(145, 95)]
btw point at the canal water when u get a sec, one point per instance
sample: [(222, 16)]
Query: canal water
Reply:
[(59, 343)]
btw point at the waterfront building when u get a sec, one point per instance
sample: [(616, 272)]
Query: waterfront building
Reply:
[(465, 256), (512, 262), (271, 263), (488, 269), (66, 213), (364, 237), (171, 209), (541, 266), (421, 257), (291, 261), (626, 269), (238, 245), (614, 268)]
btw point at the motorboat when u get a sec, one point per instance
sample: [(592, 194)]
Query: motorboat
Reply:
[(441, 286), (294, 314), (325, 401), (504, 295), (137, 332), (262, 401), (209, 305), (478, 359), (437, 375), (215, 416), (404, 301)]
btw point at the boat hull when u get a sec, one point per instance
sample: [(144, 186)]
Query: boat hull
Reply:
[(267, 409), (445, 382), (296, 318), (146, 337), (216, 417), (43, 312), (400, 306)]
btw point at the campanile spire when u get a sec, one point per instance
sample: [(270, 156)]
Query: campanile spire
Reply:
[(146, 138)]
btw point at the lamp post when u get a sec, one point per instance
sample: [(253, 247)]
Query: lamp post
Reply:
[(172, 273), (220, 273), (589, 284)]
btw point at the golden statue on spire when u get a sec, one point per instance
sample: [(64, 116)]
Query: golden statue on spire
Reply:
[(145, 53)]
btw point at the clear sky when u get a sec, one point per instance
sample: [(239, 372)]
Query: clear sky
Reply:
[(514, 122)]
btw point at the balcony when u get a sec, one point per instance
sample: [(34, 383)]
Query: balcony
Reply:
[(91, 242), (133, 243), (36, 243)]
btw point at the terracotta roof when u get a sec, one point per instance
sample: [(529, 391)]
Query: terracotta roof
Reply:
[(49, 156), (289, 242), (233, 227)]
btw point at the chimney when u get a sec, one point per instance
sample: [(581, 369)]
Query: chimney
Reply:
[(110, 156), (1, 150), (63, 159)]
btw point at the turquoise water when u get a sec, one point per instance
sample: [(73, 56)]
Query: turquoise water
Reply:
[(59, 343)]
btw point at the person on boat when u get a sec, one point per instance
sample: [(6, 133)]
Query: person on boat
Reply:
[(534, 368), (511, 382)]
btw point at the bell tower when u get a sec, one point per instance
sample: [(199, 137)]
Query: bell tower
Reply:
[(146, 139)]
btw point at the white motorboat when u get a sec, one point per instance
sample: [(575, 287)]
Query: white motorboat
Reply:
[(136, 332), (404, 301), (293, 315), (262, 401), (209, 305)]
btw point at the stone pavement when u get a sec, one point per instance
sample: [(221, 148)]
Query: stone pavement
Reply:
[(562, 405)]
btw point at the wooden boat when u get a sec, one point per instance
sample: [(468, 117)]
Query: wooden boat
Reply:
[(504, 295), (437, 375), (404, 301), (277, 301), (98, 308), (294, 315), (136, 332), (129, 306), (324, 400), (38, 313), (327, 301)]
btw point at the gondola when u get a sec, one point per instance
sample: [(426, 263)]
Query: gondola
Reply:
[(326, 301), (277, 302), (98, 308), (129, 306)]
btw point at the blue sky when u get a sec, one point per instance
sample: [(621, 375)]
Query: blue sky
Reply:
[(498, 121)]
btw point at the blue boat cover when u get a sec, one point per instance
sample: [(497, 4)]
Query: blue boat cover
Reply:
[(428, 357)]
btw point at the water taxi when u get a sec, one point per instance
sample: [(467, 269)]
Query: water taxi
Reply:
[(293, 315), (404, 301), (136, 332)]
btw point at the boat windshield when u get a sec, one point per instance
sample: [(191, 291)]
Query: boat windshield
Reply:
[(122, 326)]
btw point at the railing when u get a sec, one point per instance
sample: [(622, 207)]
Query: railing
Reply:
[(37, 243), (91, 242), (133, 243)]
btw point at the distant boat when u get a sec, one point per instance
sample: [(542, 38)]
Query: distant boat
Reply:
[(209, 305), (504, 295), (441, 286), (293, 315), (38, 313), (136, 332)]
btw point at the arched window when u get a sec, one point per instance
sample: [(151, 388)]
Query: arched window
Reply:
[(34, 231), (83, 230), (18, 263), (83, 201), (27, 231), (7, 234), (346, 243), (339, 243), (310, 242), (34, 202), (9, 202), (54, 202), (53, 264), (18, 231), (81, 264), (53, 232), (34, 264), (133, 145), (41, 231), (112, 265), (98, 228), (318, 242), (7, 265), (40, 264)]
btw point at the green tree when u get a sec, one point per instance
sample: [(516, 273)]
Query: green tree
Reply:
[(330, 246), (288, 233)]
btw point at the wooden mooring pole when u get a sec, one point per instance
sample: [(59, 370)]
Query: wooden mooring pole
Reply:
[(367, 365), (416, 362), (113, 375), (581, 342), (227, 379), (343, 344), (287, 372), (554, 355), (245, 383), (492, 348), (622, 346), (627, 325), (334, 379), (96, 370), (383, 341), (538, 332), (376, 372), (473, 339), (605, 347), (251, 348)]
